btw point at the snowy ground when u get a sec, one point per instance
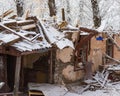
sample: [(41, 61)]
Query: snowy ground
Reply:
[(59, 90)]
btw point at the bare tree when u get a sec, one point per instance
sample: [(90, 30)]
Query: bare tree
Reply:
[(19, 6), (96, 13), (68, 10), (52, 8)]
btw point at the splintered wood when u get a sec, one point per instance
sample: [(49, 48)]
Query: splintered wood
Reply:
[(104, 78)]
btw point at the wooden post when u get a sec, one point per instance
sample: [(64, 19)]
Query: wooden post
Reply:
[(63, 14), (51, 67), (17, 76)]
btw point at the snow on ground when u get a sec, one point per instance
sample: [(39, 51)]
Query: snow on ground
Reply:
[(59, 90), (5, 5), (109, 90)]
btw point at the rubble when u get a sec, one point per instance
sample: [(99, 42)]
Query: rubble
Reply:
[(103, 79)]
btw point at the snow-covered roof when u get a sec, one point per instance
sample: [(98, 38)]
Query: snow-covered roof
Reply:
[(23, 45), (56, 37), (51, 89), (30, 40)]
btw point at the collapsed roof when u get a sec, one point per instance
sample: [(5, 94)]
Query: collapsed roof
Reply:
[(30, 35)]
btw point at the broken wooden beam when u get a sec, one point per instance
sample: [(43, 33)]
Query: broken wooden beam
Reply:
[(88, 30), (114, 42), (42, 30), (13, 31), (107, 56)]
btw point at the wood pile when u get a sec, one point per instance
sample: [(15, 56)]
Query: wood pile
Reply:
[(102, 79), (14, 24)]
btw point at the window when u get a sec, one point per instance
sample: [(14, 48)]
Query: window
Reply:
[(82, 55), (109, 49)]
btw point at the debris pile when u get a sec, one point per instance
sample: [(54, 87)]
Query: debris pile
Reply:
[(110, 75)]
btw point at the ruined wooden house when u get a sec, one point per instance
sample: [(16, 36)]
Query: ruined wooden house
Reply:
[(93, 49), (34, 51), (28, 53)]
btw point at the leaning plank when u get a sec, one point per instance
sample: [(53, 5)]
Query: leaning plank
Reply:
[(35, 37), (107, 56), (105, 79), (42, 30), (13, 31), (114, 42), (6, 13), (98, 81)]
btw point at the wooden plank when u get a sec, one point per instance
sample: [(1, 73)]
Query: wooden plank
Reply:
[(30, 26), (13, 31), (36, 51), (35, 37), (11, 42), (6, 13), (25, 22), (17, 76), (10, 94), (39, 24), (15, 40), (113, 59), (88, 30), (9, 50)]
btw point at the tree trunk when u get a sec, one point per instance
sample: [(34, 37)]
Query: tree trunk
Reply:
[(96, 15), (68, 10), (52, 8), (19, 6)]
